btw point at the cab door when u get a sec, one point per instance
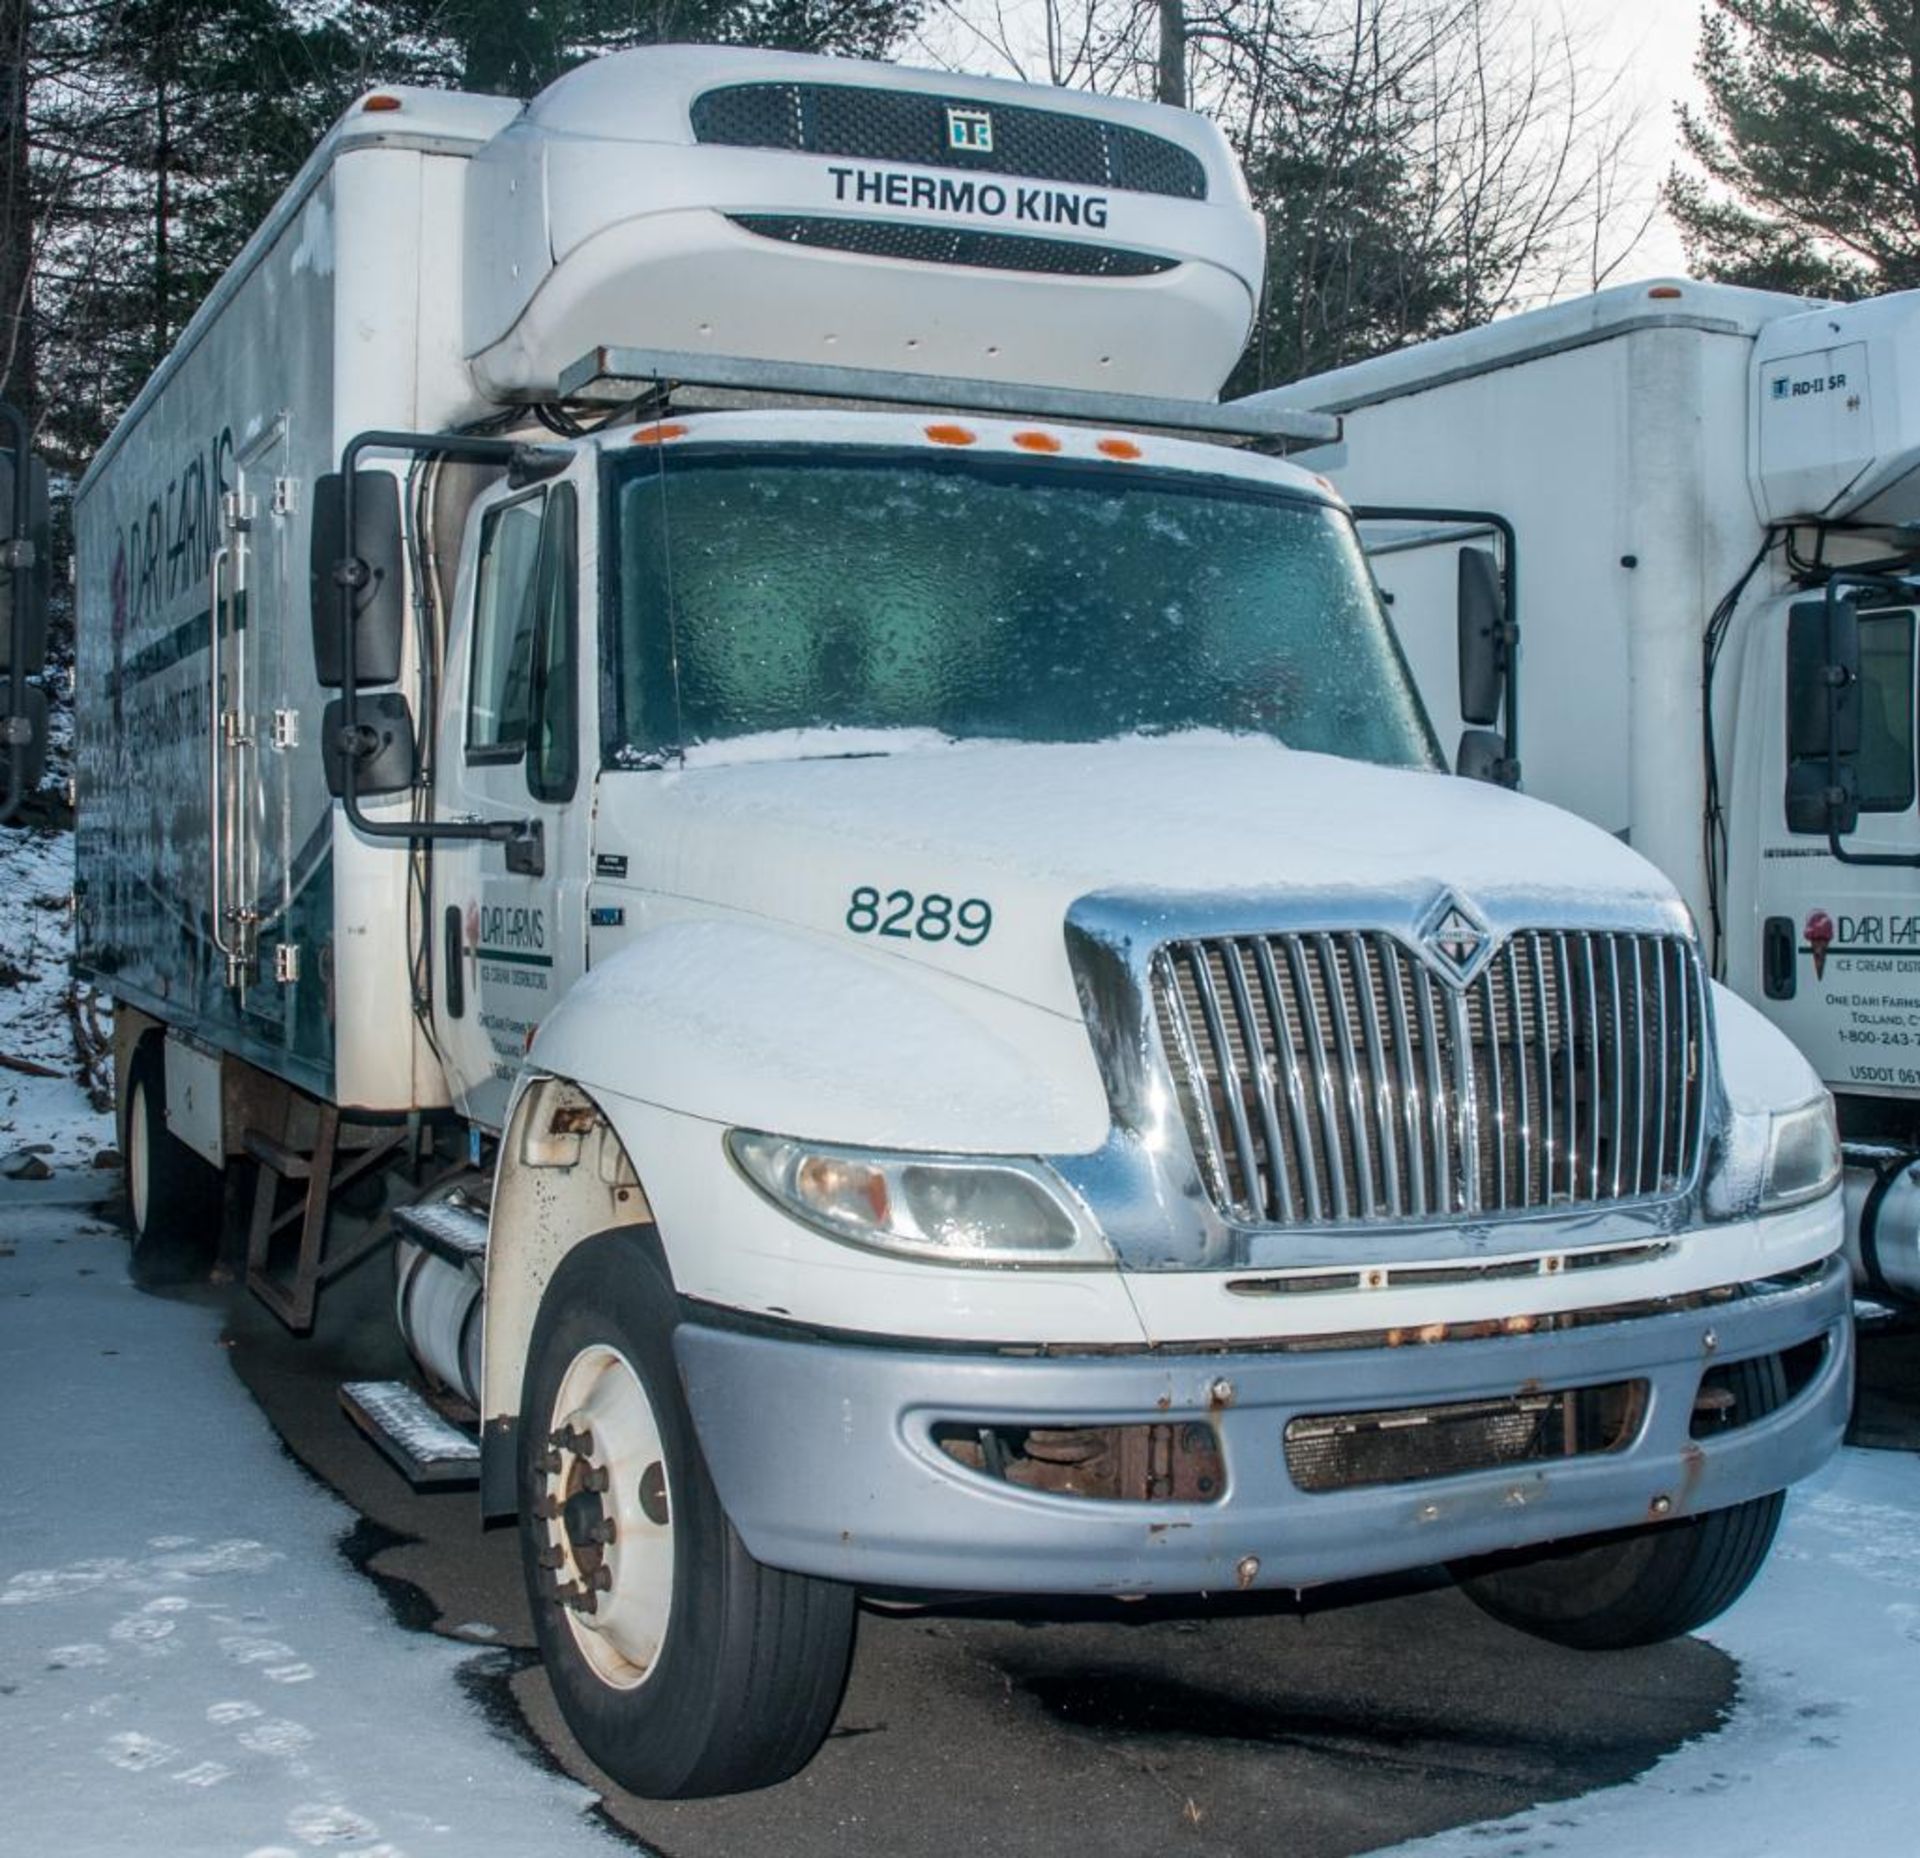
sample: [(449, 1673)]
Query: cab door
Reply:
[(509, 929), (1830, 950)]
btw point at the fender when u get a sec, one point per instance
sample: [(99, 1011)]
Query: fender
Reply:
[(741, 1023)]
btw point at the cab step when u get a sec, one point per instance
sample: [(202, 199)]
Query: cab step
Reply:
[(426, 1448), (450, 1229)]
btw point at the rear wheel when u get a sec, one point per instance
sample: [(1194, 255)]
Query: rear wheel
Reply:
[(681, 1664), (174, 1196), (1640, 1586)]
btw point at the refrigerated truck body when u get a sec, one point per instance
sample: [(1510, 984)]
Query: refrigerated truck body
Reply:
[(690, 707)]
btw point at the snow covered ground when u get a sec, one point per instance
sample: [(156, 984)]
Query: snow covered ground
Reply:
[(187, 1663), (1822, 1751)]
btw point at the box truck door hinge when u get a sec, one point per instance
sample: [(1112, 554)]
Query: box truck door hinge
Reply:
[(286, 496), (286, 963), (286, 729), (237, 511)]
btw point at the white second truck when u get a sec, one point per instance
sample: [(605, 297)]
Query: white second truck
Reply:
[(1703, 481), (692, 710)]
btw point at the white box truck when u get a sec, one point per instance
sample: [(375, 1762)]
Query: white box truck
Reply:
[(1702, 481), (692, 710)]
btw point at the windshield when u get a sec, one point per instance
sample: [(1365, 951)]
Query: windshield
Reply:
[(766, 593)]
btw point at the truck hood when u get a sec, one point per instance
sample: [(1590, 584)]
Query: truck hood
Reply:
[(853, 848)]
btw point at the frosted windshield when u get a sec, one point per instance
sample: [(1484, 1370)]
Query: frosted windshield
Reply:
[(759, 592)]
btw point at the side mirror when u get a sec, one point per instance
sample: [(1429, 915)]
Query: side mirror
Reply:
[(379, 603), (1816, 806), (1823, 681), (1482, 756), (1482, 615), (386, 753)]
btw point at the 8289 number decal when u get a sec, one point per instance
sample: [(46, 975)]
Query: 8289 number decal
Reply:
[(931, 918)]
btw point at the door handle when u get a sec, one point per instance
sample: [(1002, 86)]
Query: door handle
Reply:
[(456, 970)]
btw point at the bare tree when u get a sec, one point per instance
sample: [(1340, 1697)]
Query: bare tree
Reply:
[(1423, 164)]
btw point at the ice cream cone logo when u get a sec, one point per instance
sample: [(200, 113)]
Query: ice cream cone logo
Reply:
[(1819, 934)]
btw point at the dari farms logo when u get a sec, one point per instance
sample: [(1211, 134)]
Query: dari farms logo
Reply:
[(969, 130)]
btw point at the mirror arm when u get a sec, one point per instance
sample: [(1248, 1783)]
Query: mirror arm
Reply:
[(1837, 680), (1509, 572), (19, 566), (350, 574)]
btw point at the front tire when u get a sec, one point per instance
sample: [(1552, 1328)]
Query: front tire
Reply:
[(1640, 1586), (174, 1198), (682, 1665)]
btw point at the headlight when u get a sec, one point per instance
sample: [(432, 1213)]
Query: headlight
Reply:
[(1803, 1154), (1765, 1162), (950, 1209)]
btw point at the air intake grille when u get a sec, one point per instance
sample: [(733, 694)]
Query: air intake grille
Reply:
[(903, 125), (1335, 1078), (1349, 1451), (989, 251)]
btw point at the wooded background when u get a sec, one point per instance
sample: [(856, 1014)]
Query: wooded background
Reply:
[(1422, 164)]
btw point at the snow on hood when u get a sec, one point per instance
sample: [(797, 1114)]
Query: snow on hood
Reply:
[(1031, 828)]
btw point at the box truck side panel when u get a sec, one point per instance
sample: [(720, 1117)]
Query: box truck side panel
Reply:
[(1619, 460), (205, 495)]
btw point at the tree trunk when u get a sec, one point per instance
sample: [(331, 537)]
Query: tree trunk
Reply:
[(17, 243), (1171, 86)]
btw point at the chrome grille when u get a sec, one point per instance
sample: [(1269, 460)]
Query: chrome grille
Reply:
[(866, 123), (1333, 1077)]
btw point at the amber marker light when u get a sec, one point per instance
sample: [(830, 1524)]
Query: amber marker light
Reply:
[(1036, 441), (1665, 293), (659, 434), (1117, 448), (375, 104), (949, 435)]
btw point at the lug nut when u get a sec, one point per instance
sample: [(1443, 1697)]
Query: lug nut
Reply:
[(553, 1557), (603, 1532), (595, 1478), (602, 1579)]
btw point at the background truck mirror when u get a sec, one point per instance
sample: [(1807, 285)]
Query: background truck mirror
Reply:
[(388, 755), (1822, 686), (1813, 805), (1483, 636), (23, 739), (1482, 756), (23, 614), (380, 606)]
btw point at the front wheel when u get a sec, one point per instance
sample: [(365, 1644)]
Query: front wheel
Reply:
[(1646, 1585), (681, 1664)]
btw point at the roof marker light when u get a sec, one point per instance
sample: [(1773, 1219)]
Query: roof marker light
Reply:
[(380, 101), (1117, 448), (949, 435), (1036, 441), (1665, 292), (657, 434)]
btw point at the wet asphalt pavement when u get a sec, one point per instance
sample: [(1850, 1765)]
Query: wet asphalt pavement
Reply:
[(1240, 1726)]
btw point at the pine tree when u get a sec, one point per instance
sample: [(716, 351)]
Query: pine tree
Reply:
[(1808, 147)]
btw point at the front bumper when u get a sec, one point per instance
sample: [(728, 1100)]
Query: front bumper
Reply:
[(823, 1454)]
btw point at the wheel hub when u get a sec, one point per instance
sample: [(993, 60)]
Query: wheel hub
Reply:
[(605, 1513)]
